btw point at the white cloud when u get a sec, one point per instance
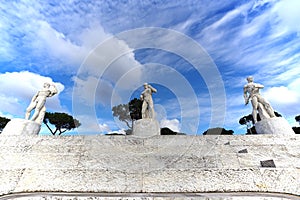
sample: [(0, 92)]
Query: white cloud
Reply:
[(172, 124), (57, 45), (99, 74), (17, 89), (288, 14), (228, 17), (90, 125), (282, 95), (104, 128), (121, 131)]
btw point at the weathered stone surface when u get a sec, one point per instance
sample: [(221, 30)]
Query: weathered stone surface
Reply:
[(275, 125), (21, 127), (158, 164), (146, 128)]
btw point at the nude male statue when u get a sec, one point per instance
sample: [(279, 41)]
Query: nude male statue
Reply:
[(146, 97), (38, 102), (251, 92)]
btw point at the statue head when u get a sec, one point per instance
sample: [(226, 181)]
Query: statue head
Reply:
[(46, 85), (145, 85), (250, 79)]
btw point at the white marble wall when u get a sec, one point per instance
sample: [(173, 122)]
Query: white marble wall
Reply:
[(160, 164)]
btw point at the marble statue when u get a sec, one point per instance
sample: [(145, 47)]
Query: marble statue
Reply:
[(259, 104), (38, 103), (147, 106)]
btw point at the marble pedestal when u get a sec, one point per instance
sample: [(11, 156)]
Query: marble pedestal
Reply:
[(275, 125), (21, 127), (146, 128)]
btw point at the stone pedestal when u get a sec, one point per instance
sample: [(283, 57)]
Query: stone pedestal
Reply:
[(21, 127), (146, 128), (275, 125)]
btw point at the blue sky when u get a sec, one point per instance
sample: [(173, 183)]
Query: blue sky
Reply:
[(197, 53)]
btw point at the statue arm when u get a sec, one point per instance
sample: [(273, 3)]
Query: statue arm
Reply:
[(53, 91), (152, 89), (260, 86), (246, 97)]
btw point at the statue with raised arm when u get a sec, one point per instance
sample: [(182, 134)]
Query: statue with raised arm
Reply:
[(259, 104), (38, 103), (146, 97), (148, 125)]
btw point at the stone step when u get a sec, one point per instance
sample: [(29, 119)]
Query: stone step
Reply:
[(161, 181)]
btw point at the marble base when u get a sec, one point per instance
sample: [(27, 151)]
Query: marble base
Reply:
[(275, 125), (146, 128), (21, 127)]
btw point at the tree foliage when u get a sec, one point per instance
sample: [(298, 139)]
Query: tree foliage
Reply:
[(297, 118), (249, 122), (62, 122), (277, 114), (121, 111), (127, 113), (296, 130), (135, 109), (218, 131), (167, 131), (3, 122), (246, 120)]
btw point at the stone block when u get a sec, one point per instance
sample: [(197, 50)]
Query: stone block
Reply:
[(275, 125), (75, 180), (21, 127), (146, 128), (281, 180), (205, 180)]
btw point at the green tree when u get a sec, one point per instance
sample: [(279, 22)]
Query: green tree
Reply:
[(297, 118), (135, 109), (297, 129), (218, 131), (127, 113), (249, 122), (3, 122), (121, 111), (62, 122)]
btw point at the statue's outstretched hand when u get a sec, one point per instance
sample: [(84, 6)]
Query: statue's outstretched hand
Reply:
[(246, 101)]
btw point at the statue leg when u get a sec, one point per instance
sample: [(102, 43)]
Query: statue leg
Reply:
[(41, 116), (268, 107), (254, 108), (38, 108), (29, 109), (151, 109), (144, 107)]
